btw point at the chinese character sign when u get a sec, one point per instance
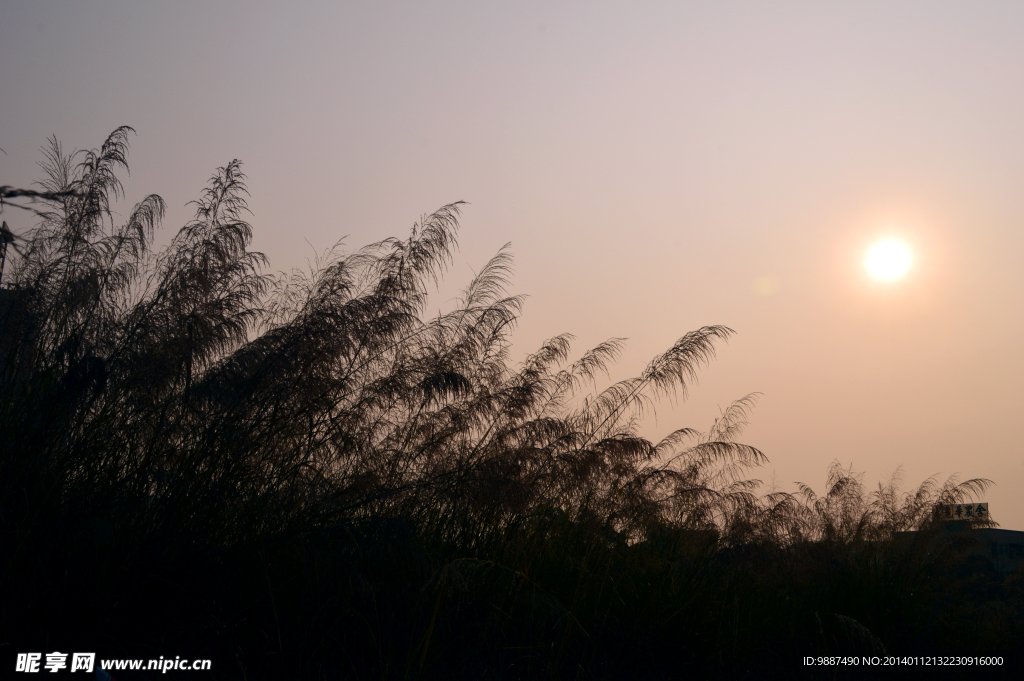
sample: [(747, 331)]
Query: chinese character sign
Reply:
[(962, 512)]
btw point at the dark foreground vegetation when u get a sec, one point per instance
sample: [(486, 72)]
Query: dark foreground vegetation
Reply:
[(301, 476)]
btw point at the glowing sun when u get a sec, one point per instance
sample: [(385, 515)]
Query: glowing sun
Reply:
[(888, 260)]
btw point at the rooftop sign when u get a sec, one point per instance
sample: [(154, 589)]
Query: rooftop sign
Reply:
[(962, 512)]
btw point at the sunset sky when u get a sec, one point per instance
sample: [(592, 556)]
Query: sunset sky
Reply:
[(657, 167)]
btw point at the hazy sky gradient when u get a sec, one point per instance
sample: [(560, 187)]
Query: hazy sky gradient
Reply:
[(656, 166)]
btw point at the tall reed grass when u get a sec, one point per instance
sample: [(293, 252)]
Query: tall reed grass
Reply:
[(302, 475)]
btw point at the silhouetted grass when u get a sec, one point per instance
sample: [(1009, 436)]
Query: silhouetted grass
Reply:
[(301, 476)]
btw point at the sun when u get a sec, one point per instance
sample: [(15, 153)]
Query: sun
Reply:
[(888, 260)]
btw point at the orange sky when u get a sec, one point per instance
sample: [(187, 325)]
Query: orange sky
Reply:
[(657, 168)]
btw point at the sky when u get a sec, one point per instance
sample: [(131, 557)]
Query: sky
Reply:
[(656, 166)]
